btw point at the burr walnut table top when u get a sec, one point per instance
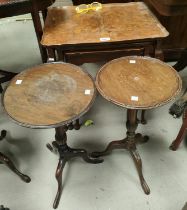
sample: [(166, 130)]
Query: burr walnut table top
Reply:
[(114, 22), (138, 82), (49, 95)]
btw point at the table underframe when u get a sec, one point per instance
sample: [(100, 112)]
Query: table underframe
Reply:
[(129, 143)]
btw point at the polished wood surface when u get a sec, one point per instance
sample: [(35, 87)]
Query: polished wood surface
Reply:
[(138, 82), (49, 95), (173, 16), (115, 22)]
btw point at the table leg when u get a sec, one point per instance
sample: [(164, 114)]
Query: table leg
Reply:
[(119, 144), (131, 139), (138, 162), (5, 160), (175, 144), (182, 62), (3, 134), (59, 172), (129, 143), (65, 154), (143, 120)]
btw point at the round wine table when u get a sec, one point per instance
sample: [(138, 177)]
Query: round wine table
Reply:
[(52, 95), (136, 83)]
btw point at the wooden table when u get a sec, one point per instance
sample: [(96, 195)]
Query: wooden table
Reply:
[(52, 96), (114, 31), (136, 83)]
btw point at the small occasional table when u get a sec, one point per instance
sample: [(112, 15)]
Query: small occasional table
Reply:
[(114, 31), (136, 83), (52, 96)]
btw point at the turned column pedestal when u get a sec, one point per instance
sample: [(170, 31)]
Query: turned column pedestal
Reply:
[(55, 96), (136, 83)]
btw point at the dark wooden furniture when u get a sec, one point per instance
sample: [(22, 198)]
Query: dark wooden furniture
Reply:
[(5, 77), (173, 15), (136, 83), (5, 160), (176, 110), (114, 31), (10, 8), (77, 2), (52, 96), (182, 62), (175, 144), (3, 208)]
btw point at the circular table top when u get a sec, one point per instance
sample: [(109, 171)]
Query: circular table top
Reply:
[(137, 82), (49, 95)]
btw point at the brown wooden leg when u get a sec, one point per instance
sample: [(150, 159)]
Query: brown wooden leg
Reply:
[(182, 63), (3, 134), (77, 125), (119, 144), (51, 55), (158, 51), (44, 14), (59, 172), (5, 160), (6, 76), (66, 153), (131, 136), (175, 144), (38, 29), (1, 88), (138, 163), (143, 120), (129, 143)]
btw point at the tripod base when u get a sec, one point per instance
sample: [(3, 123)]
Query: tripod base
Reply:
[(65, 154), (129, 143)]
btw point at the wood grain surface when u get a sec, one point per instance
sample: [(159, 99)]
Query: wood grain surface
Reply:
[(118, 22), (138, 82), (49, 95)]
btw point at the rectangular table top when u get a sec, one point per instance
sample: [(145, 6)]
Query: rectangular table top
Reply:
[(113, 23)]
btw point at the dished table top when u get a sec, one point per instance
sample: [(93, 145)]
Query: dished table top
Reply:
[(49, 95), (137, 82), (113, 23)]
